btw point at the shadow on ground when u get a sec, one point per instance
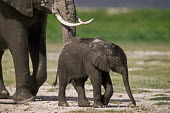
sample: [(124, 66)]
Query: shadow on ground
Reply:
[(55, 98)]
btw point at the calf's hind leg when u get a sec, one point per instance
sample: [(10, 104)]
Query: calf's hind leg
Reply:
[(3, 91), (61, 95)]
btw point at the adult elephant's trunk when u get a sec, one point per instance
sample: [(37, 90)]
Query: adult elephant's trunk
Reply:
[(67, 16), (68, 13), (127, 86)]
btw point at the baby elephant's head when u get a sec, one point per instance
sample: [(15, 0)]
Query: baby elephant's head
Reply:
[(108, 56), (117, 59)]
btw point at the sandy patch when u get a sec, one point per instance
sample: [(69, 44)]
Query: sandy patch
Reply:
[(47, 102)]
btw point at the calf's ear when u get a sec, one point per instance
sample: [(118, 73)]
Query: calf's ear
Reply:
[(98, 57), (25, 7)]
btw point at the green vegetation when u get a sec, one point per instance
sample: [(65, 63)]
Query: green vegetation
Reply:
[(162, 103), (160, 95), (140, 25), (160, 98), (167, 92), (137, 91)]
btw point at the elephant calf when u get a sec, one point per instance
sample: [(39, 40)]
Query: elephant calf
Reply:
[(93, 58)]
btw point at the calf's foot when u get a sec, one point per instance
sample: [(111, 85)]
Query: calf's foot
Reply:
[(63, 104), (98, 105), (84, 103)]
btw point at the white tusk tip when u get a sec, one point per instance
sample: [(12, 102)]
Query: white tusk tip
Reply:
[(88, 21)]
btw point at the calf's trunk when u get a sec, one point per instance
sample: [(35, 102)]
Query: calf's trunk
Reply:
[(127, 86)]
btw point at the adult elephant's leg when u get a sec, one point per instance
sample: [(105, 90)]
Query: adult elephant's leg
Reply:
[(17, 41), (107, 84), (3, 91), (37, 45), (79, 87)]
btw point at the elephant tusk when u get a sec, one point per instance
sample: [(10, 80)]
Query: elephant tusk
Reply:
[(87, 22), (72, 24), (67, 23)]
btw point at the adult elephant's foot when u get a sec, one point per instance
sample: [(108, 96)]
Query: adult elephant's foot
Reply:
[(63, 104), (22, 96), (33, 87), (105, 101), (83, 103), (98, 105), (34, 90), (4, 94)]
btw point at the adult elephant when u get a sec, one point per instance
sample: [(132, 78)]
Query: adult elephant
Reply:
[(93, 58), (23, 32)]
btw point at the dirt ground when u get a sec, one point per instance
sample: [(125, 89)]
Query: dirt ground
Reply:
[(47, 102)]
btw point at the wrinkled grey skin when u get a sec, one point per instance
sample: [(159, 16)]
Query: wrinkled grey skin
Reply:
[(91, 58), (23, 32), (69, 14)]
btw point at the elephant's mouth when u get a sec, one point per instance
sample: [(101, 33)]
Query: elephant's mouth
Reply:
[(72, 24)]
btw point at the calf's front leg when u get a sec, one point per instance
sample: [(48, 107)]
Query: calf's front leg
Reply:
[(96, 79), (107, 84)]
